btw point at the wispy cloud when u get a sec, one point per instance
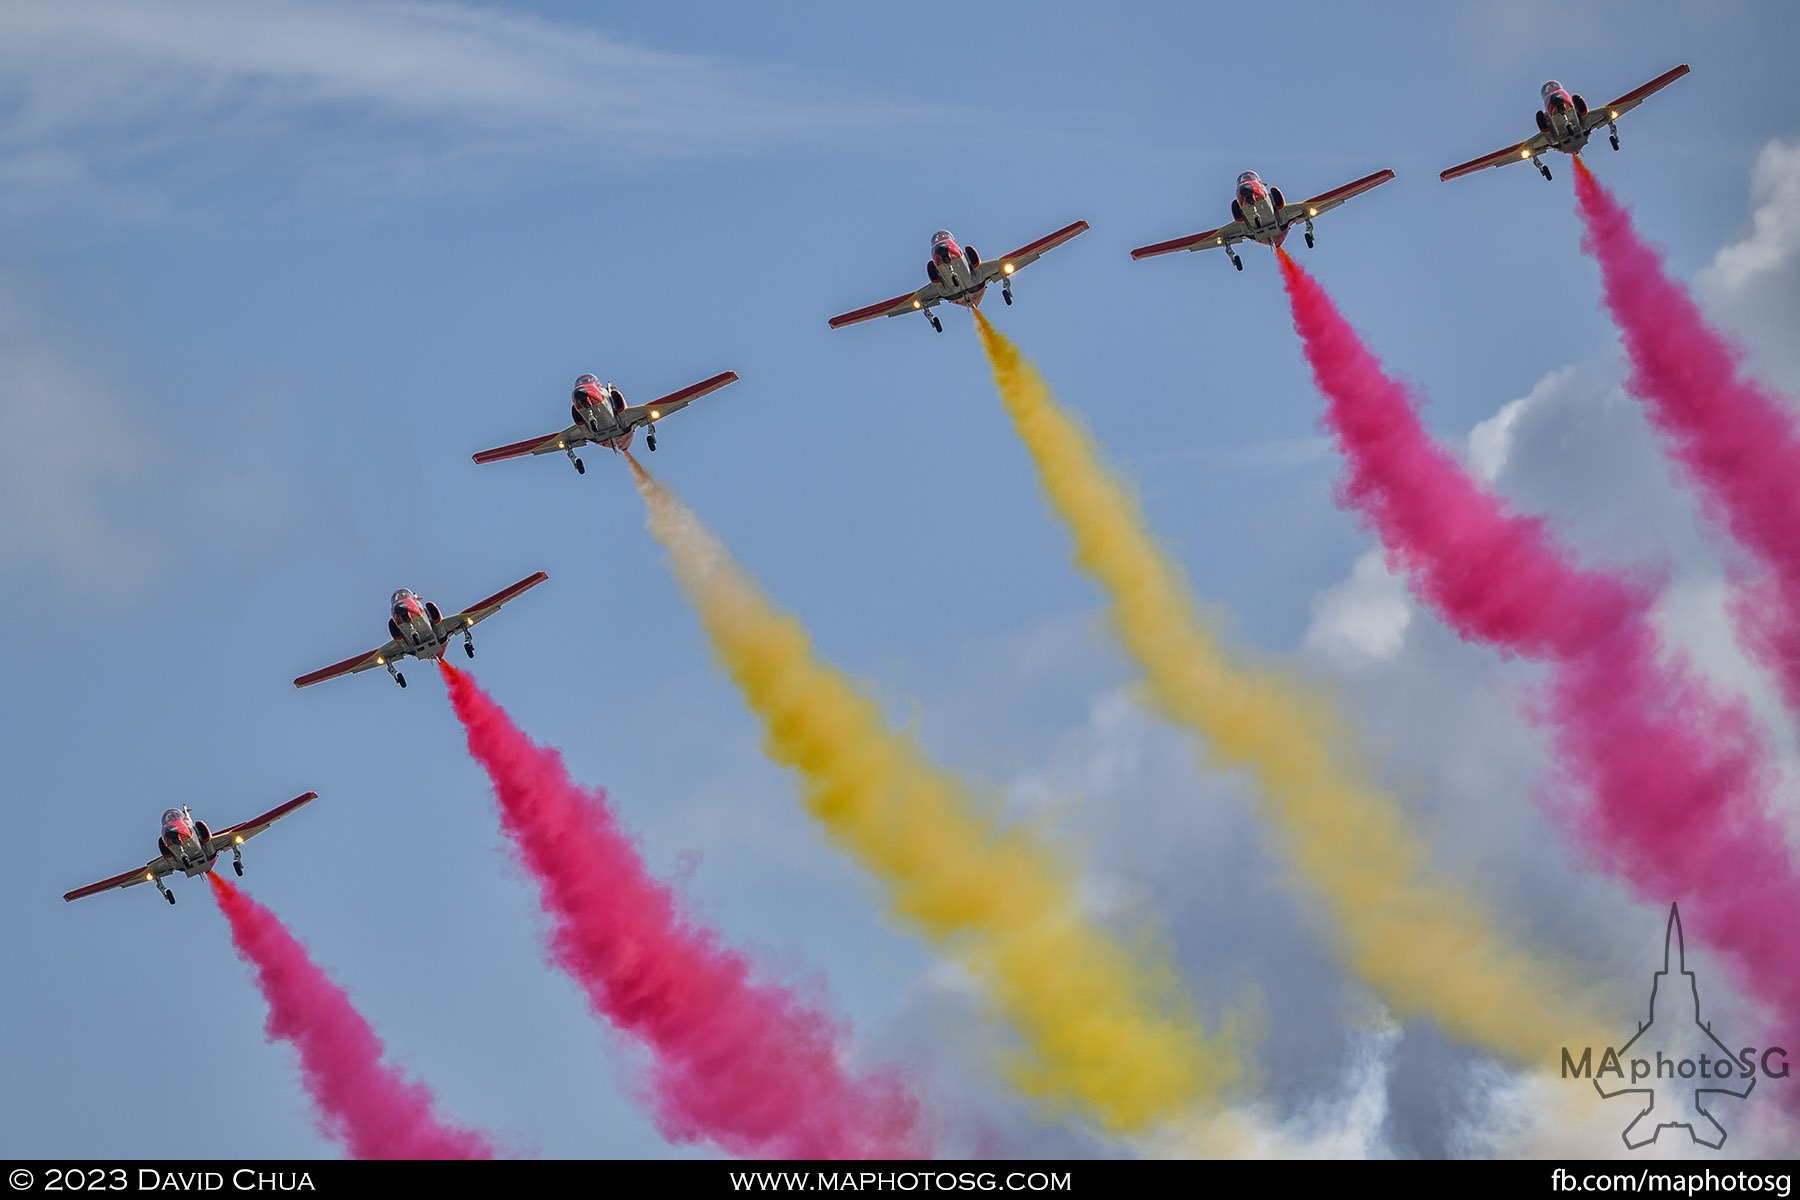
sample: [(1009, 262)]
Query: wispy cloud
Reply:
[(89, 87), (68, 456)]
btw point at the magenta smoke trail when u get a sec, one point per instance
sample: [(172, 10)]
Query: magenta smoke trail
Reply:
[(1736, 441), (747, 1066), (364, 1104), (1675, 774)]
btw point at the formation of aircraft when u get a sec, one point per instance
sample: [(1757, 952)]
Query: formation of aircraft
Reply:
[(955, 274), (419, 629), (185, 844), (959, 275), (1565, 122), (1260, 213), (602, 416)]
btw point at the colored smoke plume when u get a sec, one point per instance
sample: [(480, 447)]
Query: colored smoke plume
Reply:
[(362, 1103), (1675, 774), (1106, 1032), (1735, 440), (745, 1065), (1423, 944)]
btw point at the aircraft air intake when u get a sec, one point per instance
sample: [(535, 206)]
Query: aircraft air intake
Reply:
[(1674, 779)]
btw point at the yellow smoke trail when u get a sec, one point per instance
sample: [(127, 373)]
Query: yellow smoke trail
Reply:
[(1421, 943), (1106, 1032)]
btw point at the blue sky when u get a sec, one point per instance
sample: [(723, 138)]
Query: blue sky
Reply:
[(269, 274)]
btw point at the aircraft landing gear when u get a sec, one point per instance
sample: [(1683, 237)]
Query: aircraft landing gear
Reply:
[(580, 467), (1612, 134), (650, 440), (398, 677), (468, 644), (1542, 169), (1235, 260), (935, 323), (237, 861), (1309, 235), (1006, 291), (167, 894)]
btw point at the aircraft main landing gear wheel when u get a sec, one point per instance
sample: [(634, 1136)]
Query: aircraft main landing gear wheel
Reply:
[(1614, 139), (650, 441), (580, 467), (400, 679), (169, 896), (239, 868), (1543, 170), (937, 325), (469, 649), (1006, 295), (1309, 241), (1237, 262)]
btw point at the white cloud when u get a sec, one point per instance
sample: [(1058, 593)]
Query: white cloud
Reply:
[(98, 86), (1752, 285), (70, 457), (1773, 241), (1362, 619)]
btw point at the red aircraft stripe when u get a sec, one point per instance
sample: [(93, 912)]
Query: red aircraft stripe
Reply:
[(501, 597), (863, 314), (512, 451), (1176, 244)]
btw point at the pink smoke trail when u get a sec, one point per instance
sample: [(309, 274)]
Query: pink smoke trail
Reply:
[(361, 1102), (1738, 442), (1675, 774), (747, 1066)]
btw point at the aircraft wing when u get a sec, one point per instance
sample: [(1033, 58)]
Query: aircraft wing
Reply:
[(224, 839), (656, 410), (925, 297), (1536, 144), (1224, 235), (477, 613), (156, 868), (1633, 98), (993, 268), (350, 666), (574, 435), (1325, 202)]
